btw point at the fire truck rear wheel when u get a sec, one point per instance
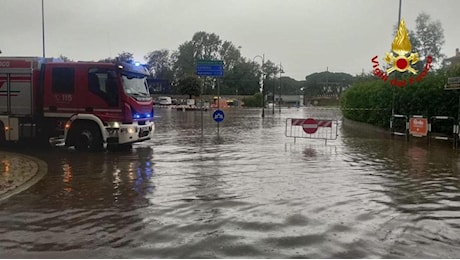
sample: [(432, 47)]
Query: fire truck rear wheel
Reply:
[(88, 138)]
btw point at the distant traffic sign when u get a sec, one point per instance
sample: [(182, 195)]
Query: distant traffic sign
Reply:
[(310, 126), (213, 68), (453, 83), (218, 115)]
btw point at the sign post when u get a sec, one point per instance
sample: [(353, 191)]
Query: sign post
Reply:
[(453, 83), (211, 68)]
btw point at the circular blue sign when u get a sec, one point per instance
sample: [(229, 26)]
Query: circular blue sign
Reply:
[(218, 115)]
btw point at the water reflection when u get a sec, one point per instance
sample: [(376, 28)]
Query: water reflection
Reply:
[(111, 178), (417, 157), (421, 185), (86, 200), (67, 177)]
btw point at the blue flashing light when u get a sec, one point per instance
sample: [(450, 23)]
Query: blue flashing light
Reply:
[(140, 115), (134, 67)]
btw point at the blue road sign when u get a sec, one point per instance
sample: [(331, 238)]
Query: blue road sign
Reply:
[(213, 68), (218, 115)]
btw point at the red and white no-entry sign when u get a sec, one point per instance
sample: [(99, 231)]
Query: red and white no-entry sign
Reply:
[(310, 126)]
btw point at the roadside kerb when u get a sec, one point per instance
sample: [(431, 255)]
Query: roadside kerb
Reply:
[(19, 172)]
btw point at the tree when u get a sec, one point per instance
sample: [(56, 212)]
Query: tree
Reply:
[(125, 57), (427, 39), (122, 57), (242, 78), (270, 69), (327, 83), (64, 58), (290, 86), (184, 59), (160, 64), (230, 54), (189, 85), (206, 46), (430, 37)]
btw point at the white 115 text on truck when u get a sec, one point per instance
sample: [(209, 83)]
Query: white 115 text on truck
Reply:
[(87, 105)]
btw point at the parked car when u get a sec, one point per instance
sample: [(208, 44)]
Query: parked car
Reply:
[(164, 101)]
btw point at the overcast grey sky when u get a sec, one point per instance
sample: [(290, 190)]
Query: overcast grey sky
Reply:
[(306, 36)]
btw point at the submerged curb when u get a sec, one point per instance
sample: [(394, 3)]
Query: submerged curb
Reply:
[(19, 172)]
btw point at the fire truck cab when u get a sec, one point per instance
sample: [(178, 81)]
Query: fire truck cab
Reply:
[(87, 105)]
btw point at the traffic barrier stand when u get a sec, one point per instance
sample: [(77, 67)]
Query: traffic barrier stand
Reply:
[(398, 130), (310, 128), (443, 136)]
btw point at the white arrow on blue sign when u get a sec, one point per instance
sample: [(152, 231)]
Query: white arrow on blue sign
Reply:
[(218, 115)]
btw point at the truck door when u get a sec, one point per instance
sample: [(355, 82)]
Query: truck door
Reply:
[(60, 83), (102, 83), (103, 98)]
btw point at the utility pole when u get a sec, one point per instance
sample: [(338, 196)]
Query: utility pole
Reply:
[(279, 99), (43, 28), (261, 82), (396, 74), (273, 96)]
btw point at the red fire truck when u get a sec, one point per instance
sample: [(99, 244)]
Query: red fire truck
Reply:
[(87, 105)]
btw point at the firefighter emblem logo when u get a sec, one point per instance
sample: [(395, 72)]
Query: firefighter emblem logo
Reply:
[(401, 58)]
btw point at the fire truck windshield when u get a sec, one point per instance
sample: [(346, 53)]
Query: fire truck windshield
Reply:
[(135, 86)]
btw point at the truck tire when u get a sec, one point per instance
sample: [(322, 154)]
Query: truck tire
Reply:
[(88, 138)]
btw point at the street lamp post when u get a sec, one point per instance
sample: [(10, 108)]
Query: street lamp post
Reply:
[(261, 82), (396, 74), (43, 28), (279, 99)]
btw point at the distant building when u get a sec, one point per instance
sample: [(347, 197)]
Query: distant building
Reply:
[(285, 100), (453, 60)]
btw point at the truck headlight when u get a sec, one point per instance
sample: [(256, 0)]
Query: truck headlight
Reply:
[(114, 124), (131, 130)]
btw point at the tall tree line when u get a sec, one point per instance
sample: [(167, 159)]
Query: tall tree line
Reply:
[(242, 75)]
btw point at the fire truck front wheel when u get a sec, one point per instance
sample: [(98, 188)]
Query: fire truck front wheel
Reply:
[(88, 137)]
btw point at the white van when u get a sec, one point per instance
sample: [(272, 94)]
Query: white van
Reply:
[(164, 101)]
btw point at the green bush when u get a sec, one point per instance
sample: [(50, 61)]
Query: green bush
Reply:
[(372, 101), (254, 101)]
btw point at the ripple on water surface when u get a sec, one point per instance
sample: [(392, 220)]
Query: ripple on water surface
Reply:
[(251, 192)]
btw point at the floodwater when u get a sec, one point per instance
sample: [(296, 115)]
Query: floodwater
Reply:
[(250, 192)]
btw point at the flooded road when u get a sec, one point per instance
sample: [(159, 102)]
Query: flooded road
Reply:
[(249, 193)]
